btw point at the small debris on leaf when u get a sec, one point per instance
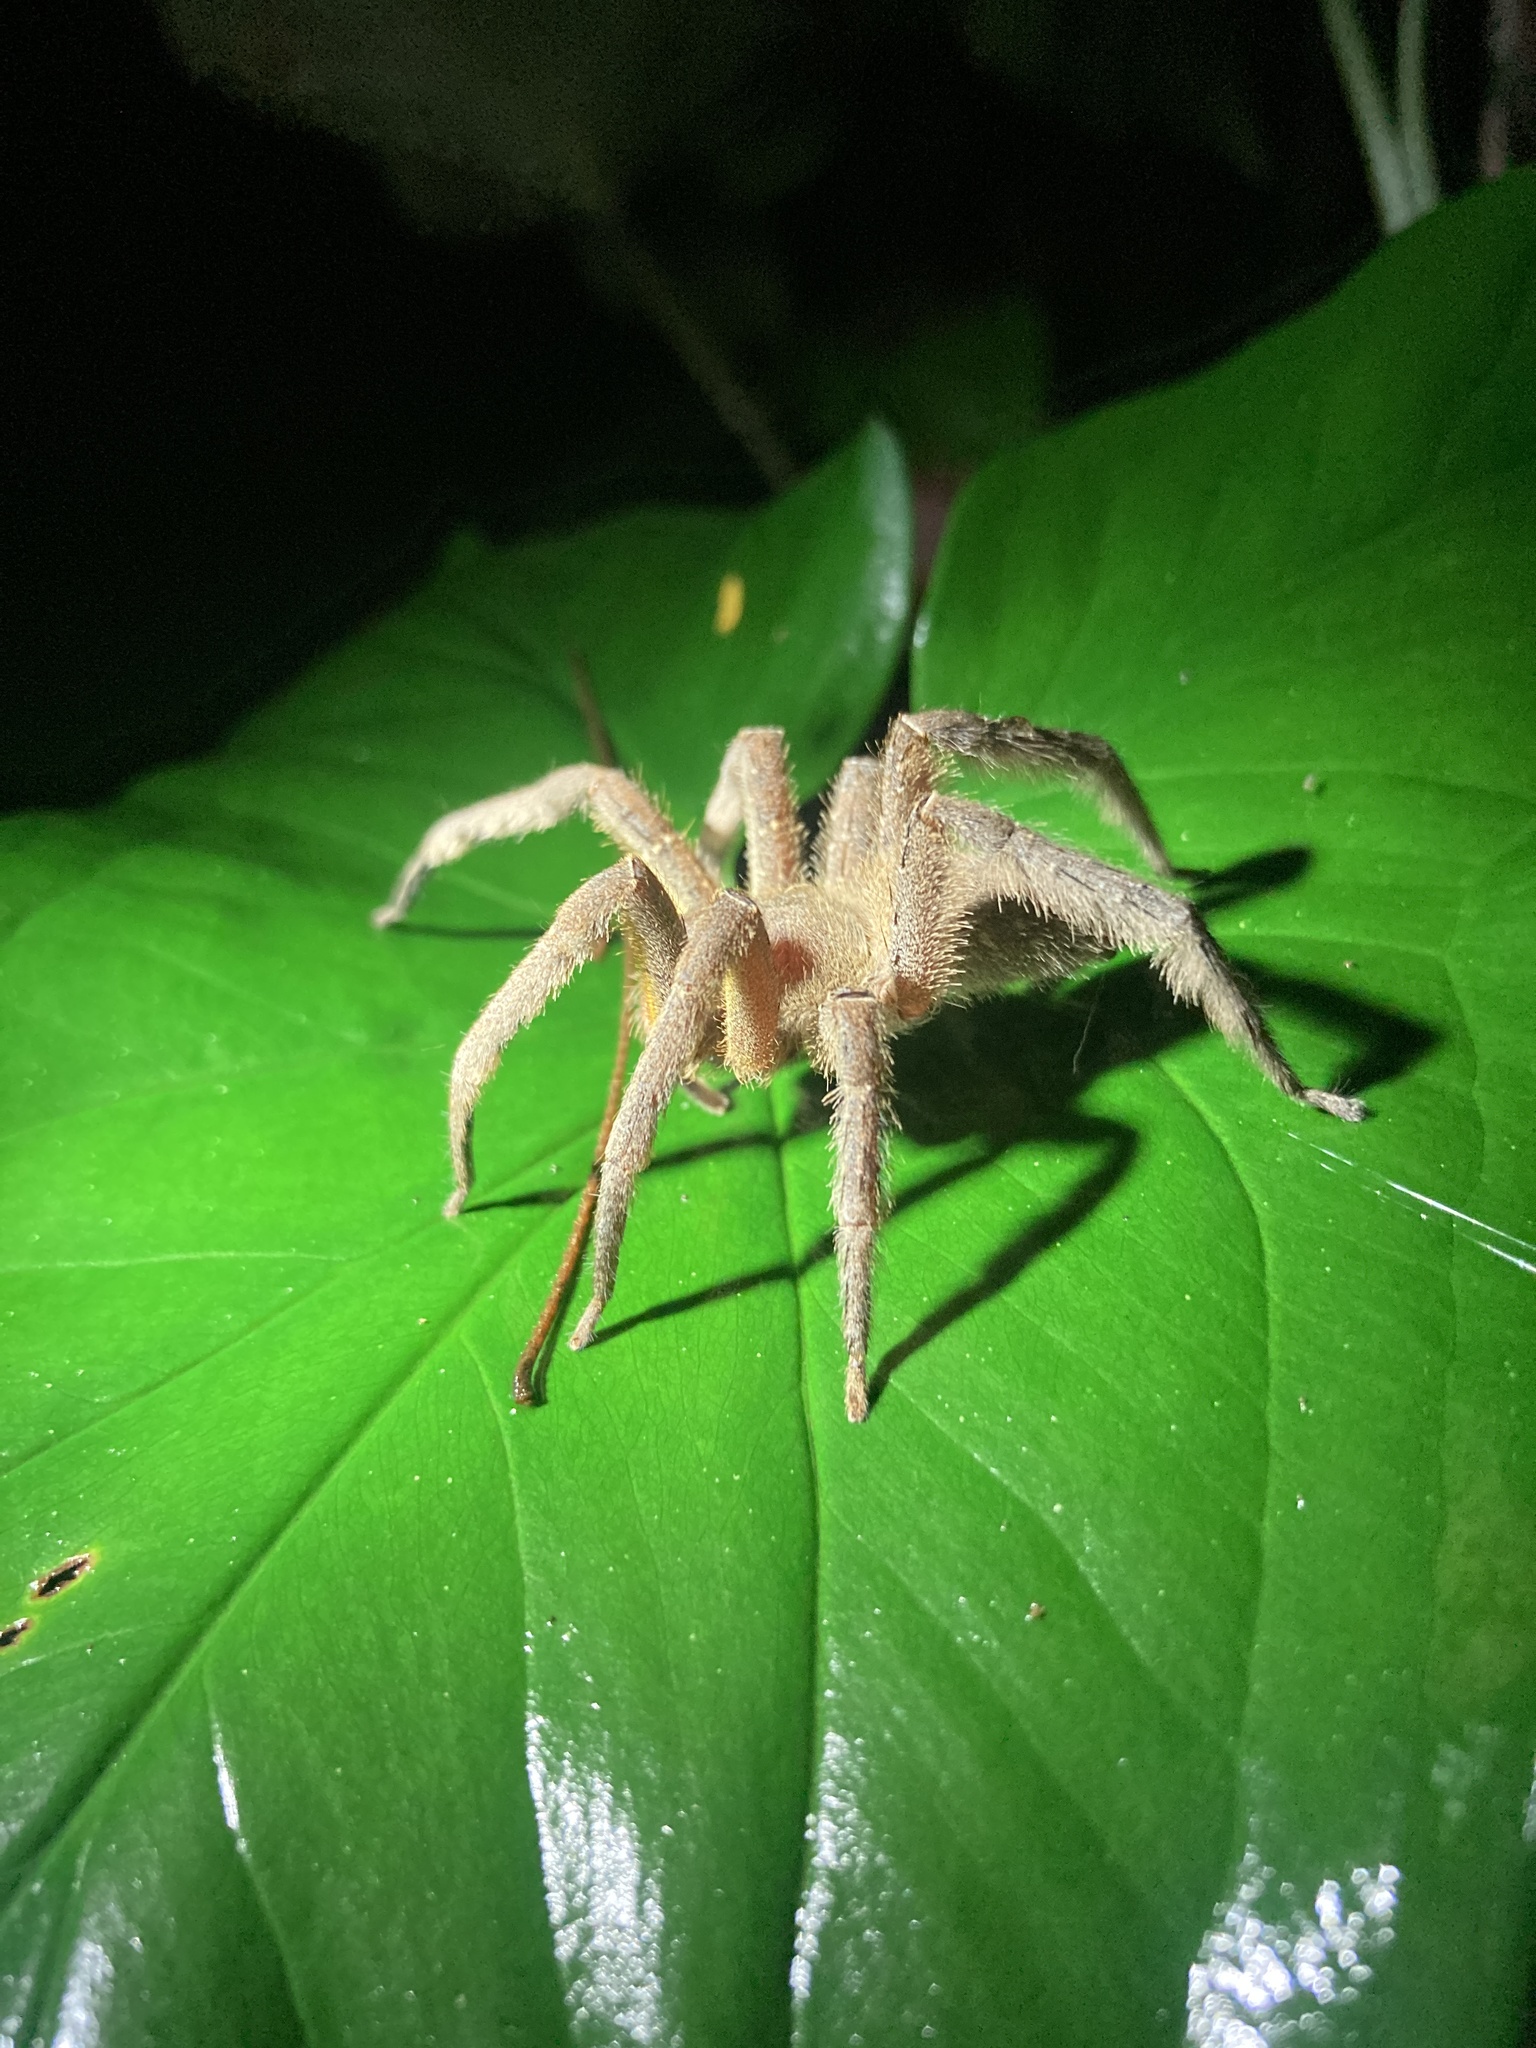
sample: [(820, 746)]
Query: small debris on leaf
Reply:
[(730, 602)]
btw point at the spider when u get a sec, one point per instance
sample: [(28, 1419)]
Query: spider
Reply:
[(911, 898)]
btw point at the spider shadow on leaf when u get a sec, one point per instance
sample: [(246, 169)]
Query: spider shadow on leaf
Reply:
[(1005, 1074), (533, 1198), (1256, 876), (508, 933), (1009, 1073), (1012, 1071)]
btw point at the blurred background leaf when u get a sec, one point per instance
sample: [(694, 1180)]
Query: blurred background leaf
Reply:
[(285, 325)]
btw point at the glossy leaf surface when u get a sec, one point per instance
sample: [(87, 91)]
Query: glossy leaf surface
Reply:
[(354, 1652), (1289, 1413), (1162, 1643)]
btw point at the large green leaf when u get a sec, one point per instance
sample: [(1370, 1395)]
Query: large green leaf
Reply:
[(1172, 1608), (1284, 1365), (265, 1769)]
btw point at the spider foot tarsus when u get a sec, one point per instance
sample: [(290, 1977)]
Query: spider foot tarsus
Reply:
[(714, 1101), (404, 894), (856, 1391), (586, 1329), (1348, 1109)]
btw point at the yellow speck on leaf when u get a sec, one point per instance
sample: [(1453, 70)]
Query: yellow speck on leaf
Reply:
[(730, 602)]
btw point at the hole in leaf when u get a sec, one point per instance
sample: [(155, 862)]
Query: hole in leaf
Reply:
[(48, 1583), (14, 1631)]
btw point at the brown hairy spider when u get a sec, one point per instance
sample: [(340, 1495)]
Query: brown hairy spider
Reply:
[(911, 898)]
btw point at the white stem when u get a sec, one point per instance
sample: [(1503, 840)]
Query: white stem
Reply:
[(1413, 109), (1386, 161)]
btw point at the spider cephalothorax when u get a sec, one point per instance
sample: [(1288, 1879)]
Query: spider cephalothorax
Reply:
[(909, 899)]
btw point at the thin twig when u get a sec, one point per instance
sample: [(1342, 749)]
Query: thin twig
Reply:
[(598, 736), (523, 1392), (735, 407), (1413, 107), (565, 1274)]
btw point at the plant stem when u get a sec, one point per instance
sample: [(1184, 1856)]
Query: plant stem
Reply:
[(1399, 155), (695, 349), (524, 1392), (1413, 107)]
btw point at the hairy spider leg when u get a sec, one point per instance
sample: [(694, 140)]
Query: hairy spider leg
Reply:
[(927, 921), (754, 789), (725, 962), (1079, 758), (872, 847), (857, 1056), (628, 892), (848, 837), (1043, 750), (1121, 910), (618, 807), (877, 841)]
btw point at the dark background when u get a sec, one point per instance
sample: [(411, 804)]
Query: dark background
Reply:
[(250, 396)]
